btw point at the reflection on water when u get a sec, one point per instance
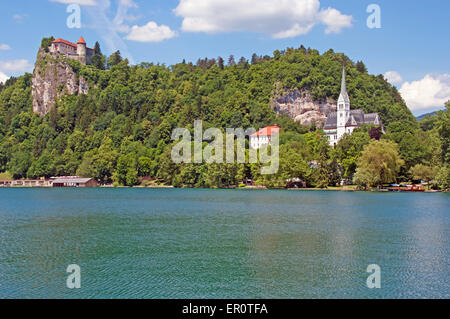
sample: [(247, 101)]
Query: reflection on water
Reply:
[(147, 243)]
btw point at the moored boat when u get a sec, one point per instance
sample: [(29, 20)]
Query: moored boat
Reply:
[(407, 188)]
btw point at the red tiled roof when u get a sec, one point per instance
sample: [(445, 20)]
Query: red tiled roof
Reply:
[(81, 41), (268, 131), (65, 42)]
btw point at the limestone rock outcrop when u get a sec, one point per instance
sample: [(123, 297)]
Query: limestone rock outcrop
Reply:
[(301, 107), (53, 78)]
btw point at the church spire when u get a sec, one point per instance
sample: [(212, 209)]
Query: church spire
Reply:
[(344, 94), (343, 84)]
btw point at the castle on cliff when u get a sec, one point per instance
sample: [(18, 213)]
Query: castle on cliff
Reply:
[(73, 51)]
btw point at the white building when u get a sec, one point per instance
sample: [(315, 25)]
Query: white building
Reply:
[(345, 121), (263, 137)]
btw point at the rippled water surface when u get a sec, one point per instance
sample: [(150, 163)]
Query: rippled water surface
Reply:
[(150, 243)]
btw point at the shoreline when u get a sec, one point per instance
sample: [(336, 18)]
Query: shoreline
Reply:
[(230, 188)]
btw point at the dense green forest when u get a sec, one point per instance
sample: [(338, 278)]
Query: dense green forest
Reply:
[(121, 131)]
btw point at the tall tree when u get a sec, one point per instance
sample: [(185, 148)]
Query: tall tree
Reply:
[(380, 163), (98, 59), (361, 67), (220, 62), (231, 60), (114, 59), (243, 61), (422, 172), (255, 58)]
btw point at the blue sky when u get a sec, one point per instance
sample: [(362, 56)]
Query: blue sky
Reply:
[(411, 48)]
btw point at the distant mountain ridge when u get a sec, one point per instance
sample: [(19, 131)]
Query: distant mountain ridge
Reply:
[(421, 117)]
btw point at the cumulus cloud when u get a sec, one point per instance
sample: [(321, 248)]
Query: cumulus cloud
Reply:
[(15, 66), (280, 19), (334, 20), (393, 77), (150, 32), (3, 77), (4, 47), (430, 92), (80, 2)]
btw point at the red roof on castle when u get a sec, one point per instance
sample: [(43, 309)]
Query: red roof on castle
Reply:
[(65, 42), (268, 131), (81, 41)]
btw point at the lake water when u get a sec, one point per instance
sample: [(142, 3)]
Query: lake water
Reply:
[(169, 243)]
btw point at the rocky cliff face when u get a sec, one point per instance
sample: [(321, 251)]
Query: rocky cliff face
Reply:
[(300, 106), (53, 77)]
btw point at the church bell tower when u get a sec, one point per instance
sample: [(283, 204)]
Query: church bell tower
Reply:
[(343, 107)]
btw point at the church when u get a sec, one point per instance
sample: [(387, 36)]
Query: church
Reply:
[(345, 121)]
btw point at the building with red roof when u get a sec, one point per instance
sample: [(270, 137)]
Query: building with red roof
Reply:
[(264, 136), (78, 51)]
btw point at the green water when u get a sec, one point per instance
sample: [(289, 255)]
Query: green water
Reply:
[(148, 243)]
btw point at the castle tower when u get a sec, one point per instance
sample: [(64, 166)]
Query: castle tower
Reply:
[(81, 50), (343, 107)]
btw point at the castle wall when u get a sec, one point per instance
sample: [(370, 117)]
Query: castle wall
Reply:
[(63, 48), (77, 52)]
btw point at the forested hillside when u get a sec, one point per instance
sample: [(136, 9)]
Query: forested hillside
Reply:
[(121, 130)]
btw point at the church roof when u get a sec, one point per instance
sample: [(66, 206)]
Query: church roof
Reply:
[(331, 123), (356, 118), (371, 118)]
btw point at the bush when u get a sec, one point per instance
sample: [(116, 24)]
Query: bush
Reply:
[(443, 178), (6, 176), (46, 42)]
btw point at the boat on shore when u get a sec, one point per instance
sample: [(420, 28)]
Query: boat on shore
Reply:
[(407, 188)]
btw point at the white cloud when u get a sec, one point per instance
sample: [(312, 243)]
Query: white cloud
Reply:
[(393, 77), (430, 92), (334, 20), (15, 66), (150, 32), (3, 77), (280, 19), (4, 47), (19, 17), (80, 2)]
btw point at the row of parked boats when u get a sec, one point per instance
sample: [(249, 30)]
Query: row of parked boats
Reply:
[(406, 188)]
